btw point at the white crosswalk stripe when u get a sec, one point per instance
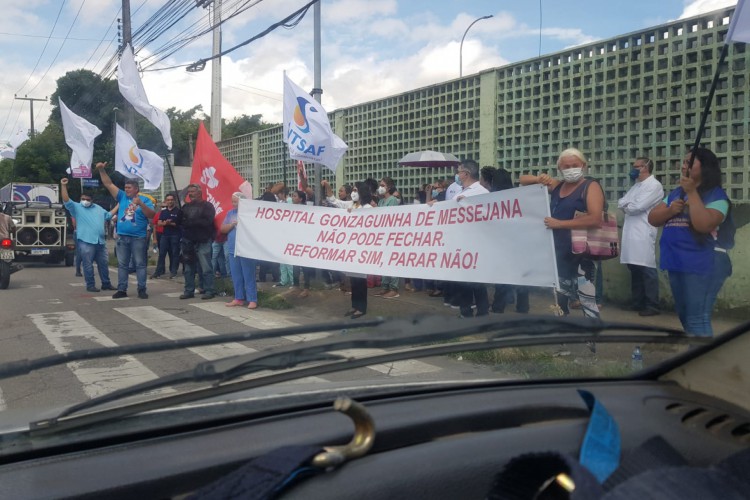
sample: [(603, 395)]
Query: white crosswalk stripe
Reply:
[(3, 406), (67, 331), (264, 320)]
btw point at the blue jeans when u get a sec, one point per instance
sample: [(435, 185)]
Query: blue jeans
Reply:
[(243, 278), (135, 248), (691, 301), (218, 262), (168, 245), (200, 262), (91, 253)]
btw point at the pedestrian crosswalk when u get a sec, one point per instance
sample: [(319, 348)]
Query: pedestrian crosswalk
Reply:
[(67, 331)]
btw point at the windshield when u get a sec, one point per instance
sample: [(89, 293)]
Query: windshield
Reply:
[(545, 216)]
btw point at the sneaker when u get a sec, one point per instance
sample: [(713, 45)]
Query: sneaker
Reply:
[(108, 287), (142, 294), (92, 289), (391, 294), (119, 294), (277, 285), (187, 296), (78, 275), (172, 276), (155, 276), (208, 296)]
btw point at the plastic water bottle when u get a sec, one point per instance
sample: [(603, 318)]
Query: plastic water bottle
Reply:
[(636, 359)]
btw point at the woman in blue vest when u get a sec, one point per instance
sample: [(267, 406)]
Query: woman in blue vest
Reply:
[(691, 215)]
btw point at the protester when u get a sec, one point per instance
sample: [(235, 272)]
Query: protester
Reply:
[(387, 198), (196, 219), (362, 200), (169, 242), (690, 214), (242, 269), (299, 197), (469, 294), (158, 231), (134, 213), (572, 194), (499, 179), (639, 237), (90, 239)]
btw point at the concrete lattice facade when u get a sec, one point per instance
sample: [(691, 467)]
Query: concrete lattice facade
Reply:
[(639, 94)]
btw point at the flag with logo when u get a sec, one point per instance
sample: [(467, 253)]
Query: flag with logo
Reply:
[(137, 163), (739, 27), (132, 90), (216, 176), (307, 131), (79, 135)]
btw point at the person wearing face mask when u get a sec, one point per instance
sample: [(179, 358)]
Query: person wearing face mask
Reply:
[(90, 220), (573, 194), (386, 193), (639, 237), (691, 216), (169, 241)]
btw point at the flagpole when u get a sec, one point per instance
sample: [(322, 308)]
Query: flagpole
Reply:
[(709, 99), (174, 182)]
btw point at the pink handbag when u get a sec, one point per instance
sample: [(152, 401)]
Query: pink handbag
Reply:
[(600, 243)]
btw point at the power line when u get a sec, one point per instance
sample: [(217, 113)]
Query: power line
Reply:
[(83, 2), (54, 37)]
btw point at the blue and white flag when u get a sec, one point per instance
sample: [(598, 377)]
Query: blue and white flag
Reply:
[(739, 27), (307, 130), (79, 135), (132, 90), (137, 163)]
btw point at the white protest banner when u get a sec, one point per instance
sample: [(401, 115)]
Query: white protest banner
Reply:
[(136, 163), (493, 238)]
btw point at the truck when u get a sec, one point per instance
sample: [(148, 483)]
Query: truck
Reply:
[(44, 230)]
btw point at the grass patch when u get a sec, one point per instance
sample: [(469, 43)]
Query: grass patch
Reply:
[(535, 363)]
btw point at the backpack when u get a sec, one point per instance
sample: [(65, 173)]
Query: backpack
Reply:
[(725, 234)]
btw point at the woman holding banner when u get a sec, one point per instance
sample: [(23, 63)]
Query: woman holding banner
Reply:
[(362, 198), (574, 193), (242, 269)]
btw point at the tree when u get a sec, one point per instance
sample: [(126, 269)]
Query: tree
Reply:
[(242, 125)]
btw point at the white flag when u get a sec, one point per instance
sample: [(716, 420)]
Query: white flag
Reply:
[(79, 135), (7, 150), (739, 27), (137, 163), (307, 130), (132, 90)]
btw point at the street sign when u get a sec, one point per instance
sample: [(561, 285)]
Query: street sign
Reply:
[(92, 183)]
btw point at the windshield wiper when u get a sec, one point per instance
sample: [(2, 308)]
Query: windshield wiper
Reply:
[(527, 331)]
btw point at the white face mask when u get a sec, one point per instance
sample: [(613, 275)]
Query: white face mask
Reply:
[(572, 174), (355, 196), (86, 203), (381, 190)]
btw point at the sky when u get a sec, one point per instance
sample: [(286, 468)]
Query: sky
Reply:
[(370, 48)]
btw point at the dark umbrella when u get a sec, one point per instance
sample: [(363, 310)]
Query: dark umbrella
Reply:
[(429, 159)]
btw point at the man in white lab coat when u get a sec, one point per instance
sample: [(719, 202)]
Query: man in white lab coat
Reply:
[(639, 237)]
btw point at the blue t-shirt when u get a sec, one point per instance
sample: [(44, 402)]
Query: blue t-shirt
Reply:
[(232, 235), (130, 219), (89, 221), (682, 249)]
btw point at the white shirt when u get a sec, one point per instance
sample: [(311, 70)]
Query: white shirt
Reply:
[(638, 236), (452, 191), (472, 190)]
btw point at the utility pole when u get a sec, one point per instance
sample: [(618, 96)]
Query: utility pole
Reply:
[(317, 91), (216, 75), (127, 39), (31, 105)]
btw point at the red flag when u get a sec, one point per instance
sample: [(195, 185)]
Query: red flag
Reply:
[(216, 176), (301, 176)]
